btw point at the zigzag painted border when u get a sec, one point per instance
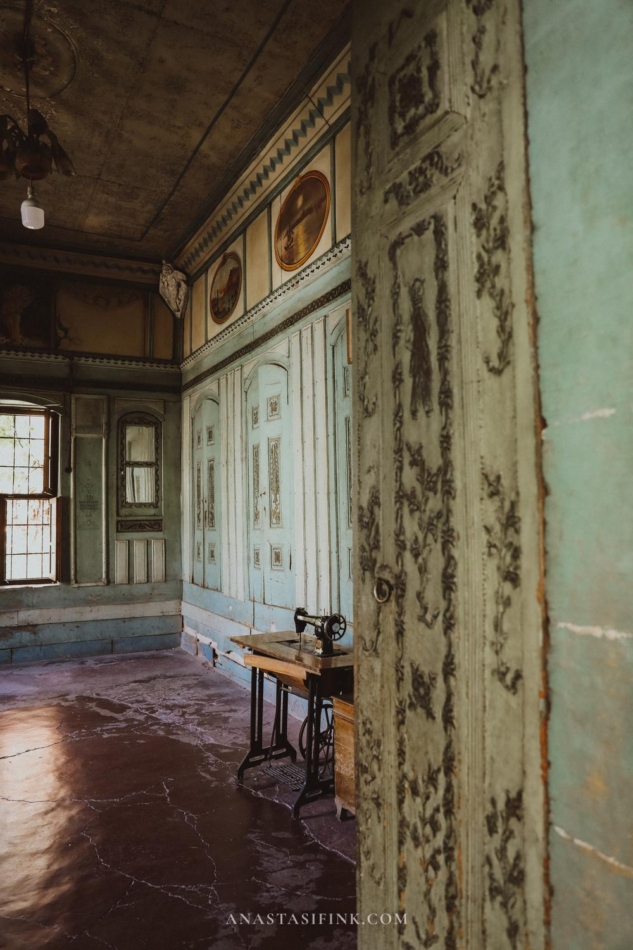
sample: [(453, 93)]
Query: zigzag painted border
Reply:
[(291, 142)]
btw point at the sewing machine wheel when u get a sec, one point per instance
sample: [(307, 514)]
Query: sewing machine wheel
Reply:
[(326, 736), (335, 627)]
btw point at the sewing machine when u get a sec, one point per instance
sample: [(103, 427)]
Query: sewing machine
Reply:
[(327, 629)]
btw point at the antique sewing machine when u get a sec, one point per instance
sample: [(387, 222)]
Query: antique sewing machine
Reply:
[(314, 669), (327, 629)]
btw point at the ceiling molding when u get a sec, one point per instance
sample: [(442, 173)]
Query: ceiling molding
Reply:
[(91, 265)]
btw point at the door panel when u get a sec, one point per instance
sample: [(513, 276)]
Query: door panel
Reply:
[(207, 511), (446, 567), (270, 486)]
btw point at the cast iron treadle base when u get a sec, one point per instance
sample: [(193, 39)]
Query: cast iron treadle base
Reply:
[(293, 776)]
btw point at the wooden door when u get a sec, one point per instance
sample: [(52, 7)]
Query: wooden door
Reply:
[(448, 622), (270, 486), (212, 508), (207, 511)]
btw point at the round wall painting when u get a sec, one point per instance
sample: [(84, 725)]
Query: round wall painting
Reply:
[(225, 289), (302, 220)]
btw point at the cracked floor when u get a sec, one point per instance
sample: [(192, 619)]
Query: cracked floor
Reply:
[(122, 825)]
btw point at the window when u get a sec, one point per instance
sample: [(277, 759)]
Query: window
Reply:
[(29, 516), (139, 442)]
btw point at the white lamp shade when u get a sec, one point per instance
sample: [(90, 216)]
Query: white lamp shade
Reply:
[(32, 213)]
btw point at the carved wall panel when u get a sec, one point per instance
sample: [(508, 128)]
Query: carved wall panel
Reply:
[(450, 812)]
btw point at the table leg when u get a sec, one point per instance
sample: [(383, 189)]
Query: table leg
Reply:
[(257, 754)]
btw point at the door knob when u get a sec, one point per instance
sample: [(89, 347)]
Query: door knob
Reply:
[(383, 590)]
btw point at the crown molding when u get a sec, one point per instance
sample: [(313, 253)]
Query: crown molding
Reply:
[(115, 362), (75, 262)]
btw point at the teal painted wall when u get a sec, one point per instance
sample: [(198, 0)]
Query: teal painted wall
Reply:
[(46, 622), (579, 57)]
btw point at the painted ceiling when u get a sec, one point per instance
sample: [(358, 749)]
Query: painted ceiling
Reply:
[(159, 103)]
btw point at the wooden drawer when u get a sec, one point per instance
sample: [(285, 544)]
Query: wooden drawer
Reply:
[(344, 769)]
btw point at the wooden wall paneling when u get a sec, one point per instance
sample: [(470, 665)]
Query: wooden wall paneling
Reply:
[(230, 409), (139, 561), (157, 551), (121, 565), (321, 453), (186, 507), (309, 468), (224, 483), (88, 491), (296, 383), (240, 472)]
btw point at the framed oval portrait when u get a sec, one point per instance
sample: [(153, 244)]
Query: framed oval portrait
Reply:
[(302, 220), (225, 288)]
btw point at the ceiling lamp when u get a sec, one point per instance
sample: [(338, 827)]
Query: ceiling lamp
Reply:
[(27, 154)]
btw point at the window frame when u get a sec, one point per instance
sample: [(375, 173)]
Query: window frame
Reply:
[(138, 419), (49, 493)]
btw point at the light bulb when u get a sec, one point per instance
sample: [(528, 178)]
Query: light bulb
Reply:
[(32, 211)]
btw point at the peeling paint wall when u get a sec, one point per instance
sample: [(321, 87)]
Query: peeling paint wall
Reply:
[(580, 93)]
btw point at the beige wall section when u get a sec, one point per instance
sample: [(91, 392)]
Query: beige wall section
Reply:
[(163, 330), (257, 257), (343, 182), (322, 163), (198, 313), (213, 328), (100, 320)]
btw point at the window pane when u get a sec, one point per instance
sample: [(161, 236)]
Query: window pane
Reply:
[(17, 512), (18, 540), (21, 453), (139, 487), (36, 481), (21, 481), (23, 426), (139, 444), (6, 481), (17, 568), (7, 425), (36, 453), (7, 450), (36, 426), (34, 566)]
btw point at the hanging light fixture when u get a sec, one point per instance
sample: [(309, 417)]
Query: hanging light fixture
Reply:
[(26, 154)]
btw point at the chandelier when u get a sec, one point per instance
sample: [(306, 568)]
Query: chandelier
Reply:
[(30, 154)]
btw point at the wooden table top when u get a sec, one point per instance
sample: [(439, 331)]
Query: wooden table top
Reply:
[(289, 646)]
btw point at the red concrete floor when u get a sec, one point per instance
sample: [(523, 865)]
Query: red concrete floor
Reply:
[(122, 825)]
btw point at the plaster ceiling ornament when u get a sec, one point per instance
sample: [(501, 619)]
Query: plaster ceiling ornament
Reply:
[(25, 153), (174, 289)]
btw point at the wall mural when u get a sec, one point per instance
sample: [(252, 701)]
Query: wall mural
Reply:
[(302, 220), (225, 289)]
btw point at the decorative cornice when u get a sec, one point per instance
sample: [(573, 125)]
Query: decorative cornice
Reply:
[(110, 361), (91, 265), (330, 95), (16, 381), (320, 266), (339, 291)]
